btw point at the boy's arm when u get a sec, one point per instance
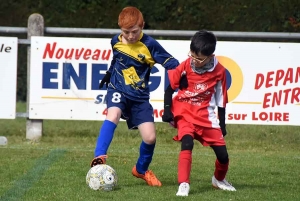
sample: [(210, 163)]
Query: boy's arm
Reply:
[(221, 101), (178, 77), (175, 78), (161, 56), (221, 114), (168, 96), (106, 78), (168, 115), (113, 61)]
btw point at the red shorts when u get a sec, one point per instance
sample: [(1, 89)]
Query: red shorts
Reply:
[(206, 136)]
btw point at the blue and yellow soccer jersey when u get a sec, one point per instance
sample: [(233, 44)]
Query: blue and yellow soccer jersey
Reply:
[(131, 65)]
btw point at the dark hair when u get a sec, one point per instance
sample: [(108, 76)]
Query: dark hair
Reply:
[(203, 42)]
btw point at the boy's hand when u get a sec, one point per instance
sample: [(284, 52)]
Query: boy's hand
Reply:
[(223, 129), (105, 80), (183, 82), (221, 114), (168, 115)]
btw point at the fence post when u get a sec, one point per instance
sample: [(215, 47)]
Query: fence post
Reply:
[(34, 127)]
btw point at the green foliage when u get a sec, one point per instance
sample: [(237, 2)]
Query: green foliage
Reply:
[(216, 15), (255, 15)]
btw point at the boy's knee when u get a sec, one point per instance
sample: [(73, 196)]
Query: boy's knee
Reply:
[(114, 114), (221, 154), (149, 138), (147, 131), (223, 159), (187, 143)]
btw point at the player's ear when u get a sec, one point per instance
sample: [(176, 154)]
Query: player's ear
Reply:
[(143, 25)]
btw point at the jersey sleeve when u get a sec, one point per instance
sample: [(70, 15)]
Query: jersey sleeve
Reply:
[(221, 91), (175, 75), (161, 56), (113, 61)]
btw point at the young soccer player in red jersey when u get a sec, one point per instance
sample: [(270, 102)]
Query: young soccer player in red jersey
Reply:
[(192, 109)]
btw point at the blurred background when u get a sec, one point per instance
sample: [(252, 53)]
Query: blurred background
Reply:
[(213, 15)]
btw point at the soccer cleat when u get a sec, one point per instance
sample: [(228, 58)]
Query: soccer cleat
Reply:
[(223, 185), (184, 189), (149, 177), (99, 160)]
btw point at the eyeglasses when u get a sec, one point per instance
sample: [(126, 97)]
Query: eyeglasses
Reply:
[(197, 58)]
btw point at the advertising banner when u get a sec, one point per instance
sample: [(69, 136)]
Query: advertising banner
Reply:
[(262, 79), (8, 77)]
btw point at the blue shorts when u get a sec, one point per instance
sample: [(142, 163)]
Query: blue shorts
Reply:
[(134, 112)]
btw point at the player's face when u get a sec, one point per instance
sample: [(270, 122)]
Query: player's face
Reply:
[(199, 60), (131, 35)]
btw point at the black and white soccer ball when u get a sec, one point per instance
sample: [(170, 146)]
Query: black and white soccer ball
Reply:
[(102, 177)]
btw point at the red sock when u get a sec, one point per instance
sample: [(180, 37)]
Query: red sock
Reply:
[(184, 166), (220, 170)]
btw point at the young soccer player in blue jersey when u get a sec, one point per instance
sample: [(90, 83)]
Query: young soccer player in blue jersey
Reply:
[(134, 54)]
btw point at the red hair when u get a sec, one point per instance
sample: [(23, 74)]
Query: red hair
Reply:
[(129, 17)]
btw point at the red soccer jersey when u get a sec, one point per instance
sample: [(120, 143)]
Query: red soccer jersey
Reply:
[(205, 91)]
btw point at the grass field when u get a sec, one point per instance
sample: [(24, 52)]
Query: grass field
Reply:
[(264, 163)]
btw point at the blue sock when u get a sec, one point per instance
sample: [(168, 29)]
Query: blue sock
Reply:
[(105, 137), (146, 153)]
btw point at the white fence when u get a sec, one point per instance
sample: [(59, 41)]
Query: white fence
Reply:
[(263, 77)]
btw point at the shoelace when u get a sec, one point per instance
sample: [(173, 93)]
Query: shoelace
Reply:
[(103, 158), (226, 183), (150, 175), (95, 161), (183, 188)]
